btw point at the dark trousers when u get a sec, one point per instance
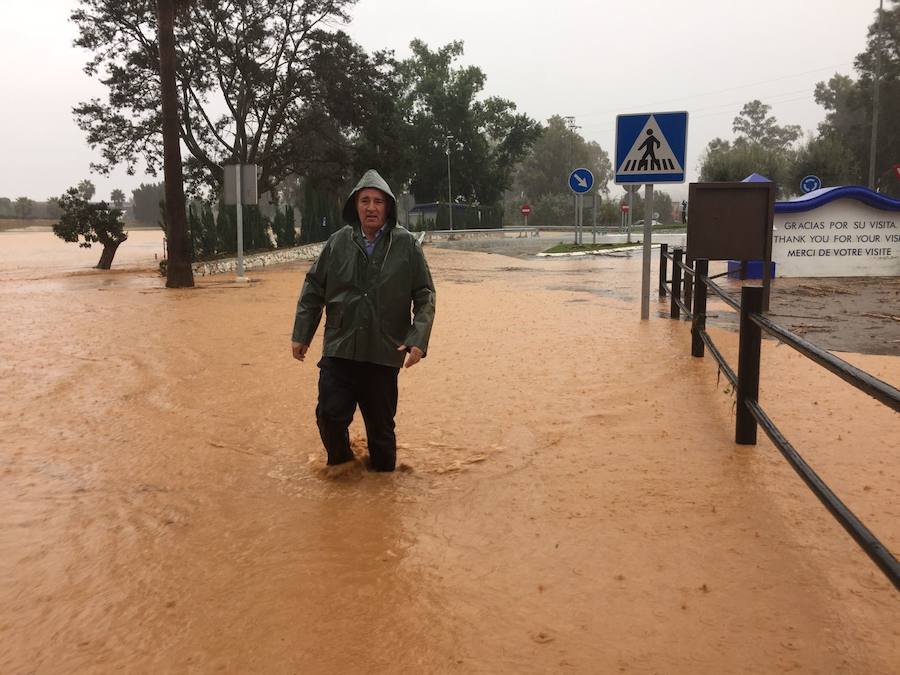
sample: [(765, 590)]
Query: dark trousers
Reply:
[(344, 384)]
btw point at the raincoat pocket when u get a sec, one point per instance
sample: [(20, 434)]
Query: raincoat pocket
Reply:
[(334, 317), (388, 329)]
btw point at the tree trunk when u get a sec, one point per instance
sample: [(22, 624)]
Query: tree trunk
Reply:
[(179, 273), (109, 252)]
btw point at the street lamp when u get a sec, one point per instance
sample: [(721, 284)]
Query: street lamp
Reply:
[(449, 138), (873, 145), (573, 128)]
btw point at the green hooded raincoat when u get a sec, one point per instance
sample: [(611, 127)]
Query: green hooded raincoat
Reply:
[(367, 299)]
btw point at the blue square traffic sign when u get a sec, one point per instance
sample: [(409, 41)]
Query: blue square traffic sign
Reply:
[(651, 147)]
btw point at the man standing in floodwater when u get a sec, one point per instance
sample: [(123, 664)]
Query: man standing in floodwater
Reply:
[(369, 276)]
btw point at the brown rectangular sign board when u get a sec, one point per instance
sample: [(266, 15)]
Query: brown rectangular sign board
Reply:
[(730, 221)]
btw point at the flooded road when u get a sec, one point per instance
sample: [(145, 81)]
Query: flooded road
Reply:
[(572, 499)]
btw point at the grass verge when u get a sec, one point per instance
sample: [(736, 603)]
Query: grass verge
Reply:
[(576, 248)]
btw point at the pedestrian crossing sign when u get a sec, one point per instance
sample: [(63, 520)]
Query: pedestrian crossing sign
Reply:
[(650, 147)]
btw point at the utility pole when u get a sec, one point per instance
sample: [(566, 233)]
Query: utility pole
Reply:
[(449, 138), (572, 127), (874, 143)]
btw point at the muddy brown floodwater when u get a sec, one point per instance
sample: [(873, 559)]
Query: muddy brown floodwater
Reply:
[(573, 502)]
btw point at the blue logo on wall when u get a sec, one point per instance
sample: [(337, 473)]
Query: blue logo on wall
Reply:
[(810, 183)]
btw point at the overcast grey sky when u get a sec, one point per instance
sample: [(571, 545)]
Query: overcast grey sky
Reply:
[(593, 60)]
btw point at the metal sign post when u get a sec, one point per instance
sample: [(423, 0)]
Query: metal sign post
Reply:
[(631, 190), (648, 240), (525, 210), (581, 219), (240, 224), (240, 189), (577, 219), (580, 182), (650, 148), (628, 216)]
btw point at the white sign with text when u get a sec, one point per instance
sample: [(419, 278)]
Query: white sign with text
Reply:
[(844, 238)]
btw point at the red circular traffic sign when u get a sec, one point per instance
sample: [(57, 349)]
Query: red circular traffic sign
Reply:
[(525, 210), (625, 208)]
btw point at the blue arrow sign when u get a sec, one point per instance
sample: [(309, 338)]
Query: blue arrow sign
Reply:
[(810, 183), (581, 181), (651, 147)]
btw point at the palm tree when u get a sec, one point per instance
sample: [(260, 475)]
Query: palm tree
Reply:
[(178, 272), (117, 197)]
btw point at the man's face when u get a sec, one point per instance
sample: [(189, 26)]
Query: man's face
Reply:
[(371, 207)]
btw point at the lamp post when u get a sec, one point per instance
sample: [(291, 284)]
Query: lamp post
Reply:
[(873, 144), (573, 129), (449, 188)]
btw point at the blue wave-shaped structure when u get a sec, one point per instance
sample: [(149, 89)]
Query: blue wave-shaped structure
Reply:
[(816, 198)]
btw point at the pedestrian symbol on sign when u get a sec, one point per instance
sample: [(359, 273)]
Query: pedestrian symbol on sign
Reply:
[(650, 153)]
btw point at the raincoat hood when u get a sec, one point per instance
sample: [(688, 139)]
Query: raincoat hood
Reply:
[(370, 179)]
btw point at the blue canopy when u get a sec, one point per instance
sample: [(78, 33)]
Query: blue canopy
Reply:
[(756, 178)]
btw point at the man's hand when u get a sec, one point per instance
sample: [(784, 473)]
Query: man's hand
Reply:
[(415, 355), (299, 350)]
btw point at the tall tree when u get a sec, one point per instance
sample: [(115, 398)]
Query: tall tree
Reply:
[(761, 146), (23, 207), (179, 273), (88, 223), (276, 66), (87, 189), (146, 201), (117, 198), (724, 161), (829, 158), (52, 208), (849, 103), (754, 125), (443, 109), (559, 149)]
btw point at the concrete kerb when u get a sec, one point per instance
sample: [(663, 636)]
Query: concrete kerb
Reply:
[(258, 260)]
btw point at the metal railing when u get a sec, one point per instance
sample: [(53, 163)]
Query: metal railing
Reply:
[(749, 413)]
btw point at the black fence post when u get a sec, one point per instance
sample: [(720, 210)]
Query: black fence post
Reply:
[(698, 325), (748, 365), (663, 264), (674, 309), (688, 293)]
